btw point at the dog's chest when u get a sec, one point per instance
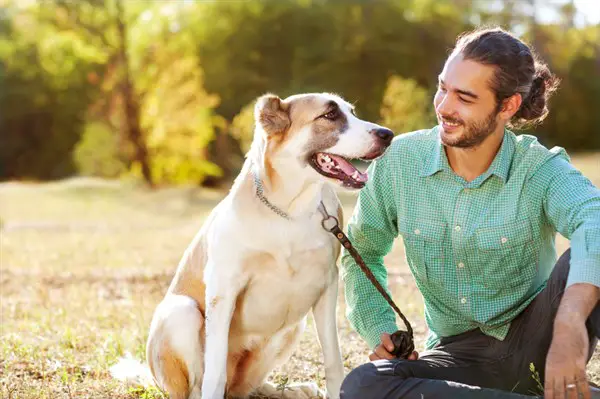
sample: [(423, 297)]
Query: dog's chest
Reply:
[(283, 286), (290, 239)]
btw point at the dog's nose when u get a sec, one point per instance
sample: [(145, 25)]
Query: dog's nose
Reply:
[(384, 134)]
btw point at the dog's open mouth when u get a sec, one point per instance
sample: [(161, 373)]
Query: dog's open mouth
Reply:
[(337, 167)]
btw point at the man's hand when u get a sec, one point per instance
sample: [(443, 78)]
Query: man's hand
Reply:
[(384, 349), (566, 361)]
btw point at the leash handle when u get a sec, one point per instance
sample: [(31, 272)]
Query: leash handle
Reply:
[(403, 340)]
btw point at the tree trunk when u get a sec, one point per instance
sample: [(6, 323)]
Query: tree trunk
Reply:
[(132, 129)]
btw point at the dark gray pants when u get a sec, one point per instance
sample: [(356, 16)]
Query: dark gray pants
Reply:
[(474, 365)]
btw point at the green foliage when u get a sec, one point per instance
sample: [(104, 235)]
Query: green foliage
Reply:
[(150, 392), (44, 96), (573, 121), (406, 106), (350, 48), (196, 67), (538, 382), (176, 111), (242, 126), (98, 154)]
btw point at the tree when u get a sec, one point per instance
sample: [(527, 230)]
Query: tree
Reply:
[(44, 95), (104, 24), (130, 102), (406, 106), (176, 111)]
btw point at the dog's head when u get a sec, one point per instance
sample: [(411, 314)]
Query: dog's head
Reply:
[(317, 135)]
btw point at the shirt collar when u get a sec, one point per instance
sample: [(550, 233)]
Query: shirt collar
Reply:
[(500, 166), (437, 160)]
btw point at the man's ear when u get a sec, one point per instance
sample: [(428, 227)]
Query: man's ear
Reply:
[(511, 105), (272, 114)]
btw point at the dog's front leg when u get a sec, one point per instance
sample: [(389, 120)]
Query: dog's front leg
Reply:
[(222, 288), (324, 313)]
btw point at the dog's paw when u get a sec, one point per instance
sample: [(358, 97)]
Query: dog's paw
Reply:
[(304, 391), (292, 391)]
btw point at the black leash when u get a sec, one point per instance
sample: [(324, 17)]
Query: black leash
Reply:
[(403, 341)]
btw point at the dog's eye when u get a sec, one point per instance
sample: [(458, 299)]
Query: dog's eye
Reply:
[(331, 115)]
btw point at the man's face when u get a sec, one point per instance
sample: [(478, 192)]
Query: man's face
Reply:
[(464, 103)]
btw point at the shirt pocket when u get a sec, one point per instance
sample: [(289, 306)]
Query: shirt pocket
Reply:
[(506, 253), (424, 241)]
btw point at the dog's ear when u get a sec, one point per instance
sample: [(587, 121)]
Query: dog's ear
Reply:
[(272, 114)]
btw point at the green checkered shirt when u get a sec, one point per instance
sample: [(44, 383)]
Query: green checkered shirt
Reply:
[(479, 251)]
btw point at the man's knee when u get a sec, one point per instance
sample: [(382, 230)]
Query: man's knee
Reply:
[(357, 382), (371, 380)]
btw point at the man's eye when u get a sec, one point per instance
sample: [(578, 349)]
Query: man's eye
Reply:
[(464, 100), (442, 89), (331, 115)]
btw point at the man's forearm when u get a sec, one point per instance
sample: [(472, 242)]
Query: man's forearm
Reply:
[(577, 303), (368, 313)]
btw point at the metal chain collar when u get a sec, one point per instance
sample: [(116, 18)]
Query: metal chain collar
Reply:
[(261, 196)]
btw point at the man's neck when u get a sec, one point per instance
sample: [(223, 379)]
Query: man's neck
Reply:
[(470, 163)]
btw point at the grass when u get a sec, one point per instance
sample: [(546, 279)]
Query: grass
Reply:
[(84, 262)]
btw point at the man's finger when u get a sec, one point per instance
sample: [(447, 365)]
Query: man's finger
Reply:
[(386, 341), (583, 387), (559, 388), (548, 390), (549, 384), (373, 356), (413, 356), (571, 389), (383, 353)]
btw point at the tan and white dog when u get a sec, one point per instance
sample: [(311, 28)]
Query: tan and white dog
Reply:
[(242, 291)]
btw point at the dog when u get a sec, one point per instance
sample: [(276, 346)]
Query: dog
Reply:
[(262, 261)]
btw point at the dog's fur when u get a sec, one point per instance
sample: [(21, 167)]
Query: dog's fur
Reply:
[(239, 300)]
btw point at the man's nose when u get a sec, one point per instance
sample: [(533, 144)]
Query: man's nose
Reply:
[(444, 106), (384, 134)]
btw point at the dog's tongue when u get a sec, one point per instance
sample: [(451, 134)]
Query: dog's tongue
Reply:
[(349, 169)]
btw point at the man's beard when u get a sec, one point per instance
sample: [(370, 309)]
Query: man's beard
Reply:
[(474, 133)]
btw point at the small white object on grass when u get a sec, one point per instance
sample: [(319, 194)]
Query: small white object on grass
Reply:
[(132, 371)]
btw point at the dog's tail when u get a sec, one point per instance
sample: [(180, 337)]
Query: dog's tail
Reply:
[(132, 372)]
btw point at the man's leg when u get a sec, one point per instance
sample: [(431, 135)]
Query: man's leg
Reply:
[(463, 364), (531, 332), (454, 370)]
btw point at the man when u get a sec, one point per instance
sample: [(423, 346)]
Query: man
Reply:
[(478, 208)]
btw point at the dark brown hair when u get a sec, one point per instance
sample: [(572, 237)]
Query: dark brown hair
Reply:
[(518, 70)]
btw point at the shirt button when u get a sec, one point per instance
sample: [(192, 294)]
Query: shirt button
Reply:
[(461, 265), (503, 240), (456, 228), (417, 231), (463, 300)]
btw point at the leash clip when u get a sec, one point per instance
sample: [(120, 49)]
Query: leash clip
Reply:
[(328, 219), (332, 221)]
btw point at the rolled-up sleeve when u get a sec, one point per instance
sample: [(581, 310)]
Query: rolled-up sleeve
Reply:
[(572, 205)]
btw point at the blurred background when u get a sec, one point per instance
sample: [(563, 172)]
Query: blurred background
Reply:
[(163, 90), (123, 122)]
